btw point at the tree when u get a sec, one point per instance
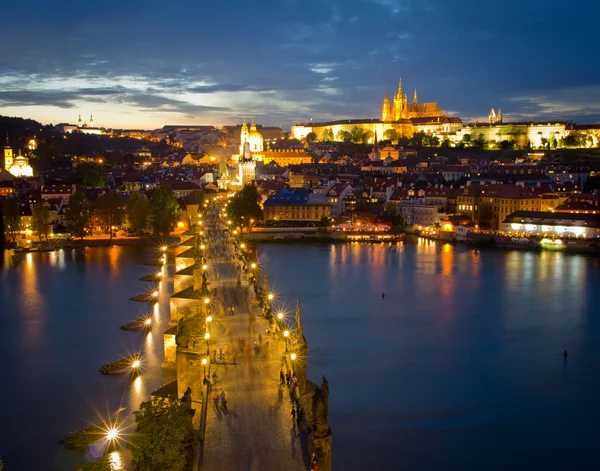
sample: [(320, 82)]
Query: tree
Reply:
[(327, 135), (40, 216), (356, 135), (396, 219), (165, 210), (392, 135), (479, 142), (11, 213), (163, 432), (245, 205), (485, 214), (90, 174), (109, 209), (77, 214), (507, 145), (417, 140), (138, 212), (344, 136), (367, 137), (466, 140), (311, 137), (431, 141)]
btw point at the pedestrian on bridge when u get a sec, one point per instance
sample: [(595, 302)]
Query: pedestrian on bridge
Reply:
[(280, 393), (281, 377), (293, 414)]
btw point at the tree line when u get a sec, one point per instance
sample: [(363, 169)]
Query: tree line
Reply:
[(108, 210)]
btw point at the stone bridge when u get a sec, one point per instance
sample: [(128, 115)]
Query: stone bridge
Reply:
[(223, 339)]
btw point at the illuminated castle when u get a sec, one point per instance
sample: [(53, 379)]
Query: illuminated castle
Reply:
[(402, 109), (404, 118)]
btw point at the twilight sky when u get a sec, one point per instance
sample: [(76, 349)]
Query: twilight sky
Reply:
[(147, 63)]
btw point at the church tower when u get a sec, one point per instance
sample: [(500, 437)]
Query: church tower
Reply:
[(492, 116), (91, 121), (386, 112), (8, 155), (376, 156), (247, 166), (415, 97), (79, 122), (243, 136), (499, 116), (400, 103)]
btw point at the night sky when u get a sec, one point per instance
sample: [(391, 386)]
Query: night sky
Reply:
[(144, 64)]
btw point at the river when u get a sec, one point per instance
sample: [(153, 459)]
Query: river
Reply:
[(460, 366), (60, 314)]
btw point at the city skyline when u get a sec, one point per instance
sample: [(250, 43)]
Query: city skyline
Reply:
[(144, 66)]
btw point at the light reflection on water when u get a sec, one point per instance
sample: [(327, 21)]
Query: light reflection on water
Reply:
[(60, 314), (460, 366)]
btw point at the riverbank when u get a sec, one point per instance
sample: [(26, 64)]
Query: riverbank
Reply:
[(50, 245), (535, 244)]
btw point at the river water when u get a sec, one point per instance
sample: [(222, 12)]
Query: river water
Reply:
[(60, 314), (460, 366)]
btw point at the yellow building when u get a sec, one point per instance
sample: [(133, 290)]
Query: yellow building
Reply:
[(504, 200), (285, 158), (297, 204)]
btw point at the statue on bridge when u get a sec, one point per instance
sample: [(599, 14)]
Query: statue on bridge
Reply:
[(320, 410)]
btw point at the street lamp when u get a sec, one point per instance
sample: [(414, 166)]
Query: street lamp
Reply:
[(208, 319), (242, 246), (204, 362), (112, 434), (270, 297), (286, 334), (148, 322), (280, 316), (207, 338), (253, 266), (164, 248), (204, 267), (155, 293)]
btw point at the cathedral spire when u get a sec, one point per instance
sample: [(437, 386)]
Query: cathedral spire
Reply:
[(415, 97), (400, 91)]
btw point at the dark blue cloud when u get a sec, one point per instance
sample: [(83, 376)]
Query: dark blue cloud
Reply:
[(288, 60)]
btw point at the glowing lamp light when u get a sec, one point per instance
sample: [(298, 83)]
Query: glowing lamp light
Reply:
[(209, 319), (136, 364), (253, 266), (293, 356), (205, 266), (280, 316), (243, 246), (155, 293), (112, 434), (159, 273), (207, 336), (204, 361), (270, 297), (164, 248), (286, 333), (206, 300), (148, 321), (202, 246)]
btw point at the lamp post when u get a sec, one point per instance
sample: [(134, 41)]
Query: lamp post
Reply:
[(204, 362), (293, 358), (206, 303), (286, 334), (207, 338)]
